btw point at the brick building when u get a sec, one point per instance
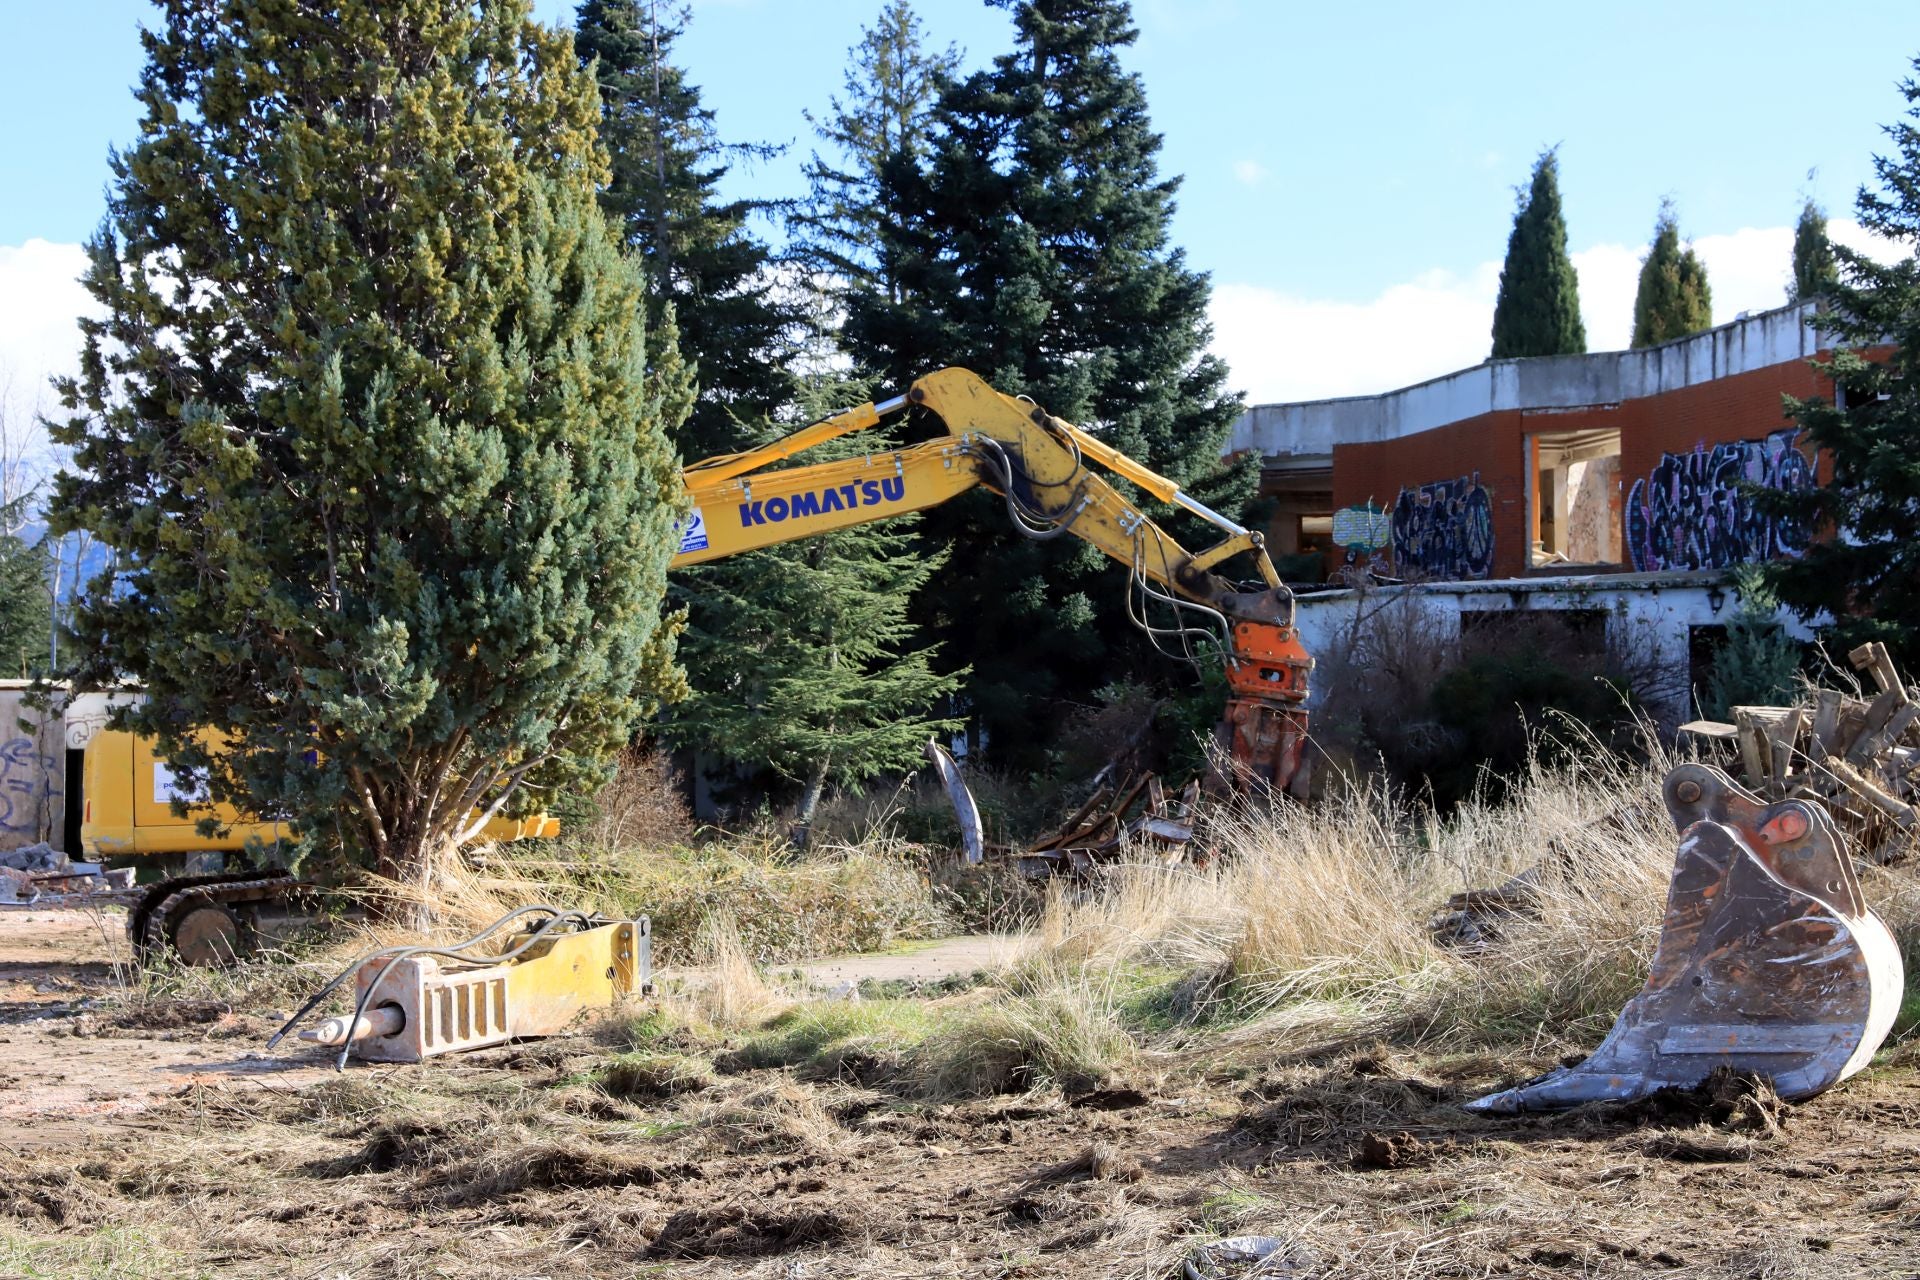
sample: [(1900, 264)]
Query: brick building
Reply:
[(1607, 485), (1620, 461)]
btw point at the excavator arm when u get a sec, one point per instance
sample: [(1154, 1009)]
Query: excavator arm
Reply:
[(1038, 465)]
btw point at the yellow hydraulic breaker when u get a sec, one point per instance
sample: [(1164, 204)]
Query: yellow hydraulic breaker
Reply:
[(412, 1003)]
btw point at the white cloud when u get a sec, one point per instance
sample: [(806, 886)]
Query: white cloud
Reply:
[(40, 303), (1284, 347), (1249, 173)]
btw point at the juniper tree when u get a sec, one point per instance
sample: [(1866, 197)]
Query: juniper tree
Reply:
[(821, 679), (1863, 566), (1673, 299), (1814, 268), (667, 165), (364, 425), (1032, 247), (1538, 310)]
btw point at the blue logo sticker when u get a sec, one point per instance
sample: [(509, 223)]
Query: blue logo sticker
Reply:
[(693, 534)]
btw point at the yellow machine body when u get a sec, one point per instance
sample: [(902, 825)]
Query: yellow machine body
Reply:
[(129, 793)]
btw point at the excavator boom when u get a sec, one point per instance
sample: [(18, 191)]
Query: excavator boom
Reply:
[(1039, 467)]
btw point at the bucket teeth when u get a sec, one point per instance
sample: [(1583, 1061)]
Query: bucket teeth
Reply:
[(1768, 962)]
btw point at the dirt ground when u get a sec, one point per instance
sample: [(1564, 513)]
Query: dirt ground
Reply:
[(156, 1138)]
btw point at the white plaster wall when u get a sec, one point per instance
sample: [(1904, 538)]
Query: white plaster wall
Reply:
[(1547, 382), (1646, 619)]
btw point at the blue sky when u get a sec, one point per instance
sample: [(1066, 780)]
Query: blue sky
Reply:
[(1349, 169)]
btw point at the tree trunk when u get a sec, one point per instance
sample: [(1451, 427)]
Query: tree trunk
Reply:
[(802, 834)]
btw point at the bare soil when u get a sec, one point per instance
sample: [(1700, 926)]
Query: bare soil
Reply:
[(155, 1138)]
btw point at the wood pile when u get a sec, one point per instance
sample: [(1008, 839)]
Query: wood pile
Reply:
[(1857, 756)]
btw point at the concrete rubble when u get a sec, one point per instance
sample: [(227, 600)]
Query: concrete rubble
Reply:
[(39, 875)]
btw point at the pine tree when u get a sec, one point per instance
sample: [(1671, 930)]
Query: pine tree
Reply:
[(1863, 566), (700, 257), (1033, 249), (365, 427), (891, 84), (820, 680), (1814, 269), (1538, 311), (1673, 299)]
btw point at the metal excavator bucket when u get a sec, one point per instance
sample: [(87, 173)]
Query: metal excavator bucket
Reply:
[(1769, 961)]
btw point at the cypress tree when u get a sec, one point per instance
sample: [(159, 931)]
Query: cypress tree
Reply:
[(1814, 268), (1862, 566), (364, 426), (819, 681), (1673, 299), (1538, 311), (1032, 247), (699, 255)]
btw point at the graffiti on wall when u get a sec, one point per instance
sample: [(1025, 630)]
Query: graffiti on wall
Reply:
[(1444, 530), (27, 783), (1692, 512)]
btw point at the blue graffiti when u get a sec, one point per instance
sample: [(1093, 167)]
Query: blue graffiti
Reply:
[(1693, 512), (1444, 530)]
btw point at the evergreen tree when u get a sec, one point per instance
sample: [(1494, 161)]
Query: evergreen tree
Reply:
[(1759, 662), (26, 600), (820, 681), (700, 257), (1032, 248), (364, 425), (1814, 269), (1538, 311), (1863, 567), (892, 82), (1673, 299)]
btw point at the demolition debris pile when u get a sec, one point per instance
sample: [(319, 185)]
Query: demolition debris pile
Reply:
[(1858, 757)]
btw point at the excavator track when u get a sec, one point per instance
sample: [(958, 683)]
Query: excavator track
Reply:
[(193, 917)]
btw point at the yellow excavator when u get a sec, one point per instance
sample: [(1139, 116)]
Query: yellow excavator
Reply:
[(1037, 463), (1768, 961)]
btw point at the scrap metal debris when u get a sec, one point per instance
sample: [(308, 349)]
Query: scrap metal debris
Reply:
[(1136, 818), (1858, 758), (1103, 832)]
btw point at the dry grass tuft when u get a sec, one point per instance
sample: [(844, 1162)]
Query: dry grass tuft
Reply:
[(1099, 1162), (729, 994), (780, 1119), (1058, 1024), (744, 1231), (642, 1076)]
